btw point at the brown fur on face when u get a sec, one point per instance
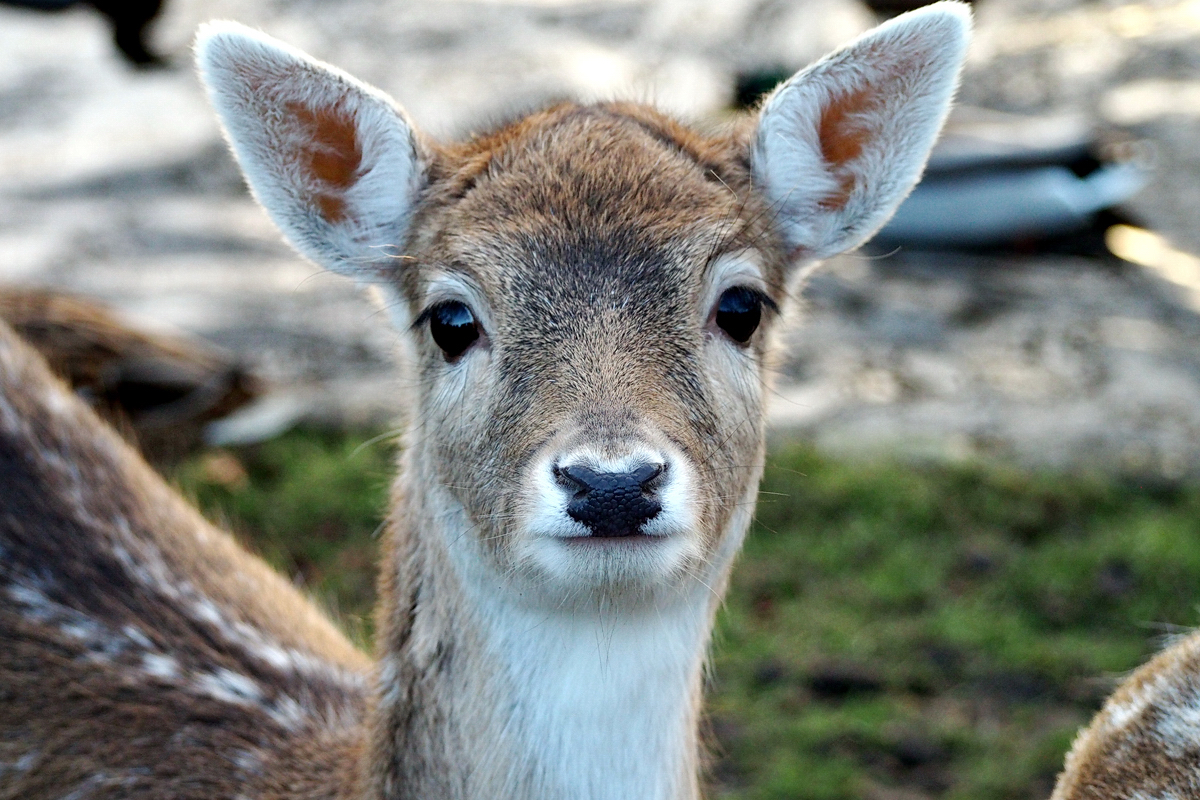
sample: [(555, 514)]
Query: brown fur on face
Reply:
[(589, 232)]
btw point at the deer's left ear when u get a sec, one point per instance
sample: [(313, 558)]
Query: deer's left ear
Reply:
[(333, 161), (843, 142)]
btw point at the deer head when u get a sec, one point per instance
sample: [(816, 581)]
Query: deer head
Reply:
[(589, 291)]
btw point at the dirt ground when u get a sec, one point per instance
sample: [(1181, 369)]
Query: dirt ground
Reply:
[(114, 184)]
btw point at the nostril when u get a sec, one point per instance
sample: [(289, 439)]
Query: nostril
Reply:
[(647, 474), (611, 503), (572, 478), (579, 480)]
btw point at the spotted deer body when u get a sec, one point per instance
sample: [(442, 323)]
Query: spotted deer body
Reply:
[(586, 297), (1145, 743)]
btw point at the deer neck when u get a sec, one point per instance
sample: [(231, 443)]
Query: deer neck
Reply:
[(486, 694)]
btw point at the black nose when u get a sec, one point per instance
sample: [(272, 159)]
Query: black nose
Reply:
[(611, 503)]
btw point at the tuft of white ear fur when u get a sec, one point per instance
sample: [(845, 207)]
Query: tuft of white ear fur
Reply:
[(333, 161), (841, 143)]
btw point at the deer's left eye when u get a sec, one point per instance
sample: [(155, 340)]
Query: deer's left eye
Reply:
[(739, 312), (453, 327)]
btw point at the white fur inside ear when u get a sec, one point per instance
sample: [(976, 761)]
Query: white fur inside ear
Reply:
[(843, 142), (332, 160)]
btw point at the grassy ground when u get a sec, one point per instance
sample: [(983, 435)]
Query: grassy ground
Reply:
[(892, 632)]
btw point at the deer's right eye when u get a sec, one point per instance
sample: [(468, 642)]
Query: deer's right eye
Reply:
[(453, 327), (738, 312)]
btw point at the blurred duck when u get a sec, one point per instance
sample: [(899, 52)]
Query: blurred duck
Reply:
[(1006, 181)]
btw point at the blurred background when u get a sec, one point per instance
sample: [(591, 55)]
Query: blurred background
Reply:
[(982, 503)]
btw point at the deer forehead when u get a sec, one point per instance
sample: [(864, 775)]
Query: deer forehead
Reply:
[(580, 211)]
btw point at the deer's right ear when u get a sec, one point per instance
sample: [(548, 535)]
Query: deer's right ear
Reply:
[(332, 160)]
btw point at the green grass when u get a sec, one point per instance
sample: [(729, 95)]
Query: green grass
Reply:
[(891, 631)]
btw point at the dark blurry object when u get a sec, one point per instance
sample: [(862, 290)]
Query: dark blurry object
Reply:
[(751, 86), (890, 8), (1025, 183), (158, 390), (837, 680), (130, 20)]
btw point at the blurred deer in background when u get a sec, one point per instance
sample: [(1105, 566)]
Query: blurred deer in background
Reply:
[(587, 295), (1145, 743)]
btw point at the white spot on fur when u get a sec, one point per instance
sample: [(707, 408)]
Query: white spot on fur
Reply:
[(1120, 716), (39, 608), (103, 643), (103, 780), (248, 761), (137, 637), (82, 629), (149, 569), (277, 657), (287, 712), (241, 690), (22, 764), (9, 419), (160, 666), (229, 687), (56, 402), (137, 570), (1179, 727), (86, 788), (37, 605), (206, 611), (258, 645)]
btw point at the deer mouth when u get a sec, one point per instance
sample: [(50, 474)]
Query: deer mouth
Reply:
[(621, 540)]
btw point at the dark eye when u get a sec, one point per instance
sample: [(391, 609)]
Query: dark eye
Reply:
[(738, 312), (453, 327)]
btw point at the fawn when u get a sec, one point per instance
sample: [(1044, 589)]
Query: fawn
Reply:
[(587, 295), (1145, 743)]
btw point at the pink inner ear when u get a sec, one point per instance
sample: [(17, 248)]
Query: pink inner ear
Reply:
[(843, 135), (331, 155)]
